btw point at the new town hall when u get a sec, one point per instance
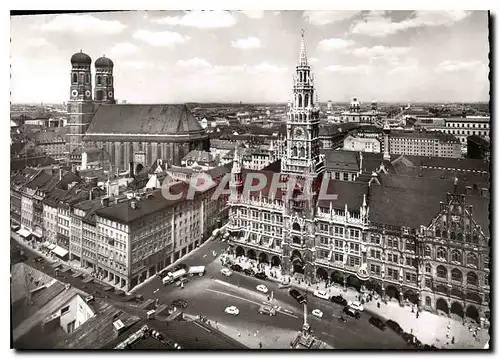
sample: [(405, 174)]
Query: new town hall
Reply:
[(416, 233)]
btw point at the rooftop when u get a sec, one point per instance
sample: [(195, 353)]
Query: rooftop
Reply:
[(145, 120)]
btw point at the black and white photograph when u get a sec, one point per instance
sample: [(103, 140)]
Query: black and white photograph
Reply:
[(250, 180)]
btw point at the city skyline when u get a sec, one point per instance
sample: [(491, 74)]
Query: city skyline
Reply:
[(228, 56)]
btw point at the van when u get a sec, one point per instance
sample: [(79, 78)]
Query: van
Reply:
[(265, 309)]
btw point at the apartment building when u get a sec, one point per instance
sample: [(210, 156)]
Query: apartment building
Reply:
[(422, 143)]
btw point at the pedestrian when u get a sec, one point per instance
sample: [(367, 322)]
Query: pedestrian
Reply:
[(417, 314), (260, 345), (453, 340), (239, 334)]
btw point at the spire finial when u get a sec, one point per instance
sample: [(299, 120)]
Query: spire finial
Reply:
[(81, 50), (303, 55)]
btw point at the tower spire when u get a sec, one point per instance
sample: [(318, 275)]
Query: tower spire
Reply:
[(303, 54)]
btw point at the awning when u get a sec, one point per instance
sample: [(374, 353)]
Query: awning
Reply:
[(51, 246), (36, 234), (24, 232), (59, 251), (46, 244)]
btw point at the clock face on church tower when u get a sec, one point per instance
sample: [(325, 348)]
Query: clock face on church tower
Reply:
[(299, 133)]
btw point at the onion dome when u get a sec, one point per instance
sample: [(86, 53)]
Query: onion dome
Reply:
[(81, 58), (103, 62), (355, 103)]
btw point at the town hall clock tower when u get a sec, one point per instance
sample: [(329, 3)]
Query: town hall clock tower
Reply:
[(302, 169)]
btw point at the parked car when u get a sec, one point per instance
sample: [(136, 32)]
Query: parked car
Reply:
[(248, 271), (236, 268), (352, 312), (317, 313), (356, 305), (232, 310), (261, 275), (179, 303), (297, 296), (39, 259), (226, 272), (181, 281), (321, 294), (394, 326), (339, 300), (377, 322), (283, 285), (262, 288)]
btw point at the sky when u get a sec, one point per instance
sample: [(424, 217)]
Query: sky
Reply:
[(250, 56)]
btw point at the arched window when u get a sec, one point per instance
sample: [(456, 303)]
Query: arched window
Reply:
[(445, 234), (428, 268), (296, 226), (427, 251), (302, 152), (74, 78), (441, 272), (294, 151), (456, 275), (467, 238), (452, 235), (456, 256), (87, 78), (438, 232), (472, 278), (471, 259), (306, 100), (99, 80), (441, 253), (460, 236)]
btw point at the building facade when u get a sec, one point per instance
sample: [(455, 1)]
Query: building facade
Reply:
[(463, 127), (376, 233), (422, 143)]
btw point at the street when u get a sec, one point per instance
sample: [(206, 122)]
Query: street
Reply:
[(210, 294)]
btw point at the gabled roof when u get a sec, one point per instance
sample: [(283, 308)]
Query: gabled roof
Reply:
[(199, 156), (144, 120), (414, 201)]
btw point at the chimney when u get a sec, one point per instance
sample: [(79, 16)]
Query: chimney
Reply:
[(105, 201), (131, 169)]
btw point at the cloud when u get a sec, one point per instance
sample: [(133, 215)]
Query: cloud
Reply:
[(268, 68), (359, 69), (377, 24), (380, 51), (327, 17), (83, 24), (160, 38), (246, 43), (201, 19), (253, 14), (37, 42), (123, 48), (193, 63), (412, 69), (457, 66), (312, 60), (136, 65), (334, 43)]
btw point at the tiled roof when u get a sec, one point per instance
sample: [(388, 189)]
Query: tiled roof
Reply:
[(221, 144), (124, 213), (17, 164), (341, 160), (414, 201), (348, 193), (433, 135), (144, 120)]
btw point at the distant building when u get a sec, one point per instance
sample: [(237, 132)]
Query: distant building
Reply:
[(360, 144), (422, 143), (199, 159), (463, 127), (354, 114)]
